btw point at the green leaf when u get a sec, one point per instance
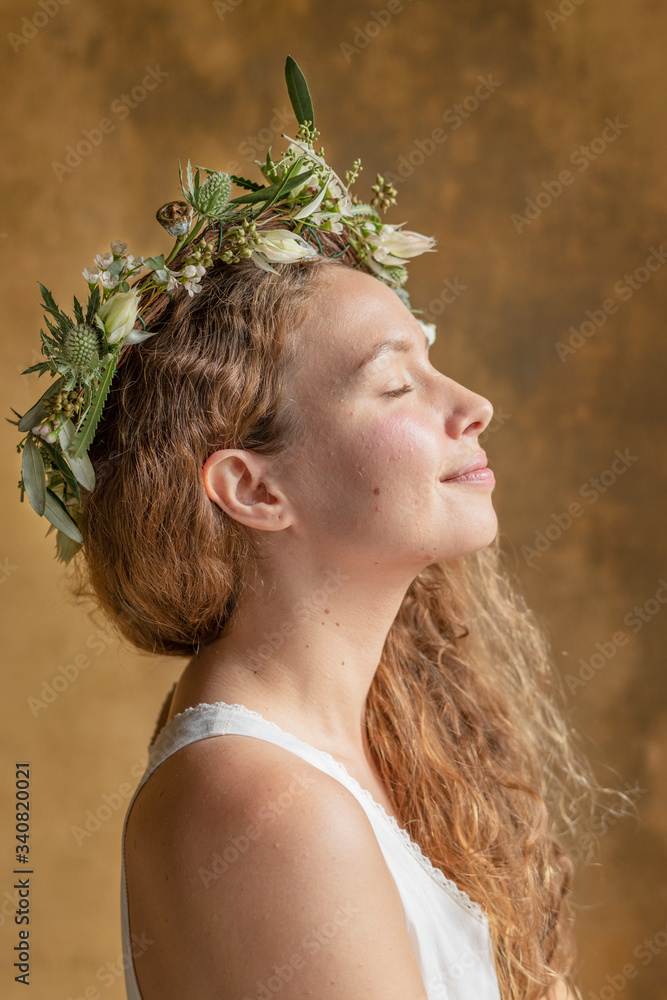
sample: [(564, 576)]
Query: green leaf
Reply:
[(51, 307), (48, 300), (290, 181), (86, 431), (93, 304), (56, 513), (41, 366), (58, 461), (37, 412), (245, 183), (124, 286), (82, 468), (116, 267), (266, 194), (364, 209), (34, 475), (298, 92), (155, 263), (15, 422), (66, 548), (78, 311)]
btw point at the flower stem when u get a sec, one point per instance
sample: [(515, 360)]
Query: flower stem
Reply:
[(177, 246)]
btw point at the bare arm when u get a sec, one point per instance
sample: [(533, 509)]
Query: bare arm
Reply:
[(259, 879)]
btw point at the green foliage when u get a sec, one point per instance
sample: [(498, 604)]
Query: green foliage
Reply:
[(299, 93)]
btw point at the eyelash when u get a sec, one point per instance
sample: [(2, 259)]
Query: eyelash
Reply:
[(398, 392)]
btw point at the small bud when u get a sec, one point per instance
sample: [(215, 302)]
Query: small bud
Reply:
[(176, 217)]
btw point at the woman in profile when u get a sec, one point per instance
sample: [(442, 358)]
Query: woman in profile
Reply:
[(347, 795), (362, 787)]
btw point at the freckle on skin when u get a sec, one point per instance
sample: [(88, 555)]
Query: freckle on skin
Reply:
[(326, 611), (376, 490), (377, 508)]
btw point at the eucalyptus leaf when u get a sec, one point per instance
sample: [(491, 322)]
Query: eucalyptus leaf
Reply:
[(66, 434), (56, 512), (298, 92), (37, 412), (81, 468), (155, 263), (34, 475), (116, 267)]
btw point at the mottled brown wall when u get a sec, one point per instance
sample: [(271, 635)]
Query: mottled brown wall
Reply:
[(519, 289)]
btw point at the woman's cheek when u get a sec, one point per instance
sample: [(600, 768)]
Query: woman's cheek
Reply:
[(404, 438)]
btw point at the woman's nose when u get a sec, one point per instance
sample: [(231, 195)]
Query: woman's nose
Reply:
[(468, 412)]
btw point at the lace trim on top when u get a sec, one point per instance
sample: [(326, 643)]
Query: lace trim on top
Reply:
[(450, 887)]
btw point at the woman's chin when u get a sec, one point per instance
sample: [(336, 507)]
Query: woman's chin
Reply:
[(483, 534)]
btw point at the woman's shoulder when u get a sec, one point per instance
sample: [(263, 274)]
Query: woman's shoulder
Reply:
[(229, 786), (236, 840)]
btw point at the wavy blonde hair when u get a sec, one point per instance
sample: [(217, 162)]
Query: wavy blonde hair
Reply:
[(463, 714)]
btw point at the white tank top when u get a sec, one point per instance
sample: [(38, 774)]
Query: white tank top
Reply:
[(449, 931)]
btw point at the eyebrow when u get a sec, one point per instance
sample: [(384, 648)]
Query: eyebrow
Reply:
[(380, 349)]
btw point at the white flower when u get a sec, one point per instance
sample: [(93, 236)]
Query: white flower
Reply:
[(118, 315), (103, 260), (134, 263), (109, 280), (345, 205), (172, 280), (327, 220), (313, 204), (41, 430), (392, 243), (47, 432), (91, 276), (192, 274), (335, 189), (164, 276), (193, 270), (283, 246), (118, 248), (429, 330)]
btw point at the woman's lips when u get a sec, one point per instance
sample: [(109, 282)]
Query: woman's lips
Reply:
[(481, 476)]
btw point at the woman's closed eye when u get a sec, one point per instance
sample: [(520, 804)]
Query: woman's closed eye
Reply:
[(399, 392)]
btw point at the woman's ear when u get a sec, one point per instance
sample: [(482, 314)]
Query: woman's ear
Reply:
[(239, 483)]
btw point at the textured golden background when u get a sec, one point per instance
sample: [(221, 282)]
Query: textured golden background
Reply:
[(557, 77)]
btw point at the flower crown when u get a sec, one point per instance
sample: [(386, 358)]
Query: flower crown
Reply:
[(274, 222)]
